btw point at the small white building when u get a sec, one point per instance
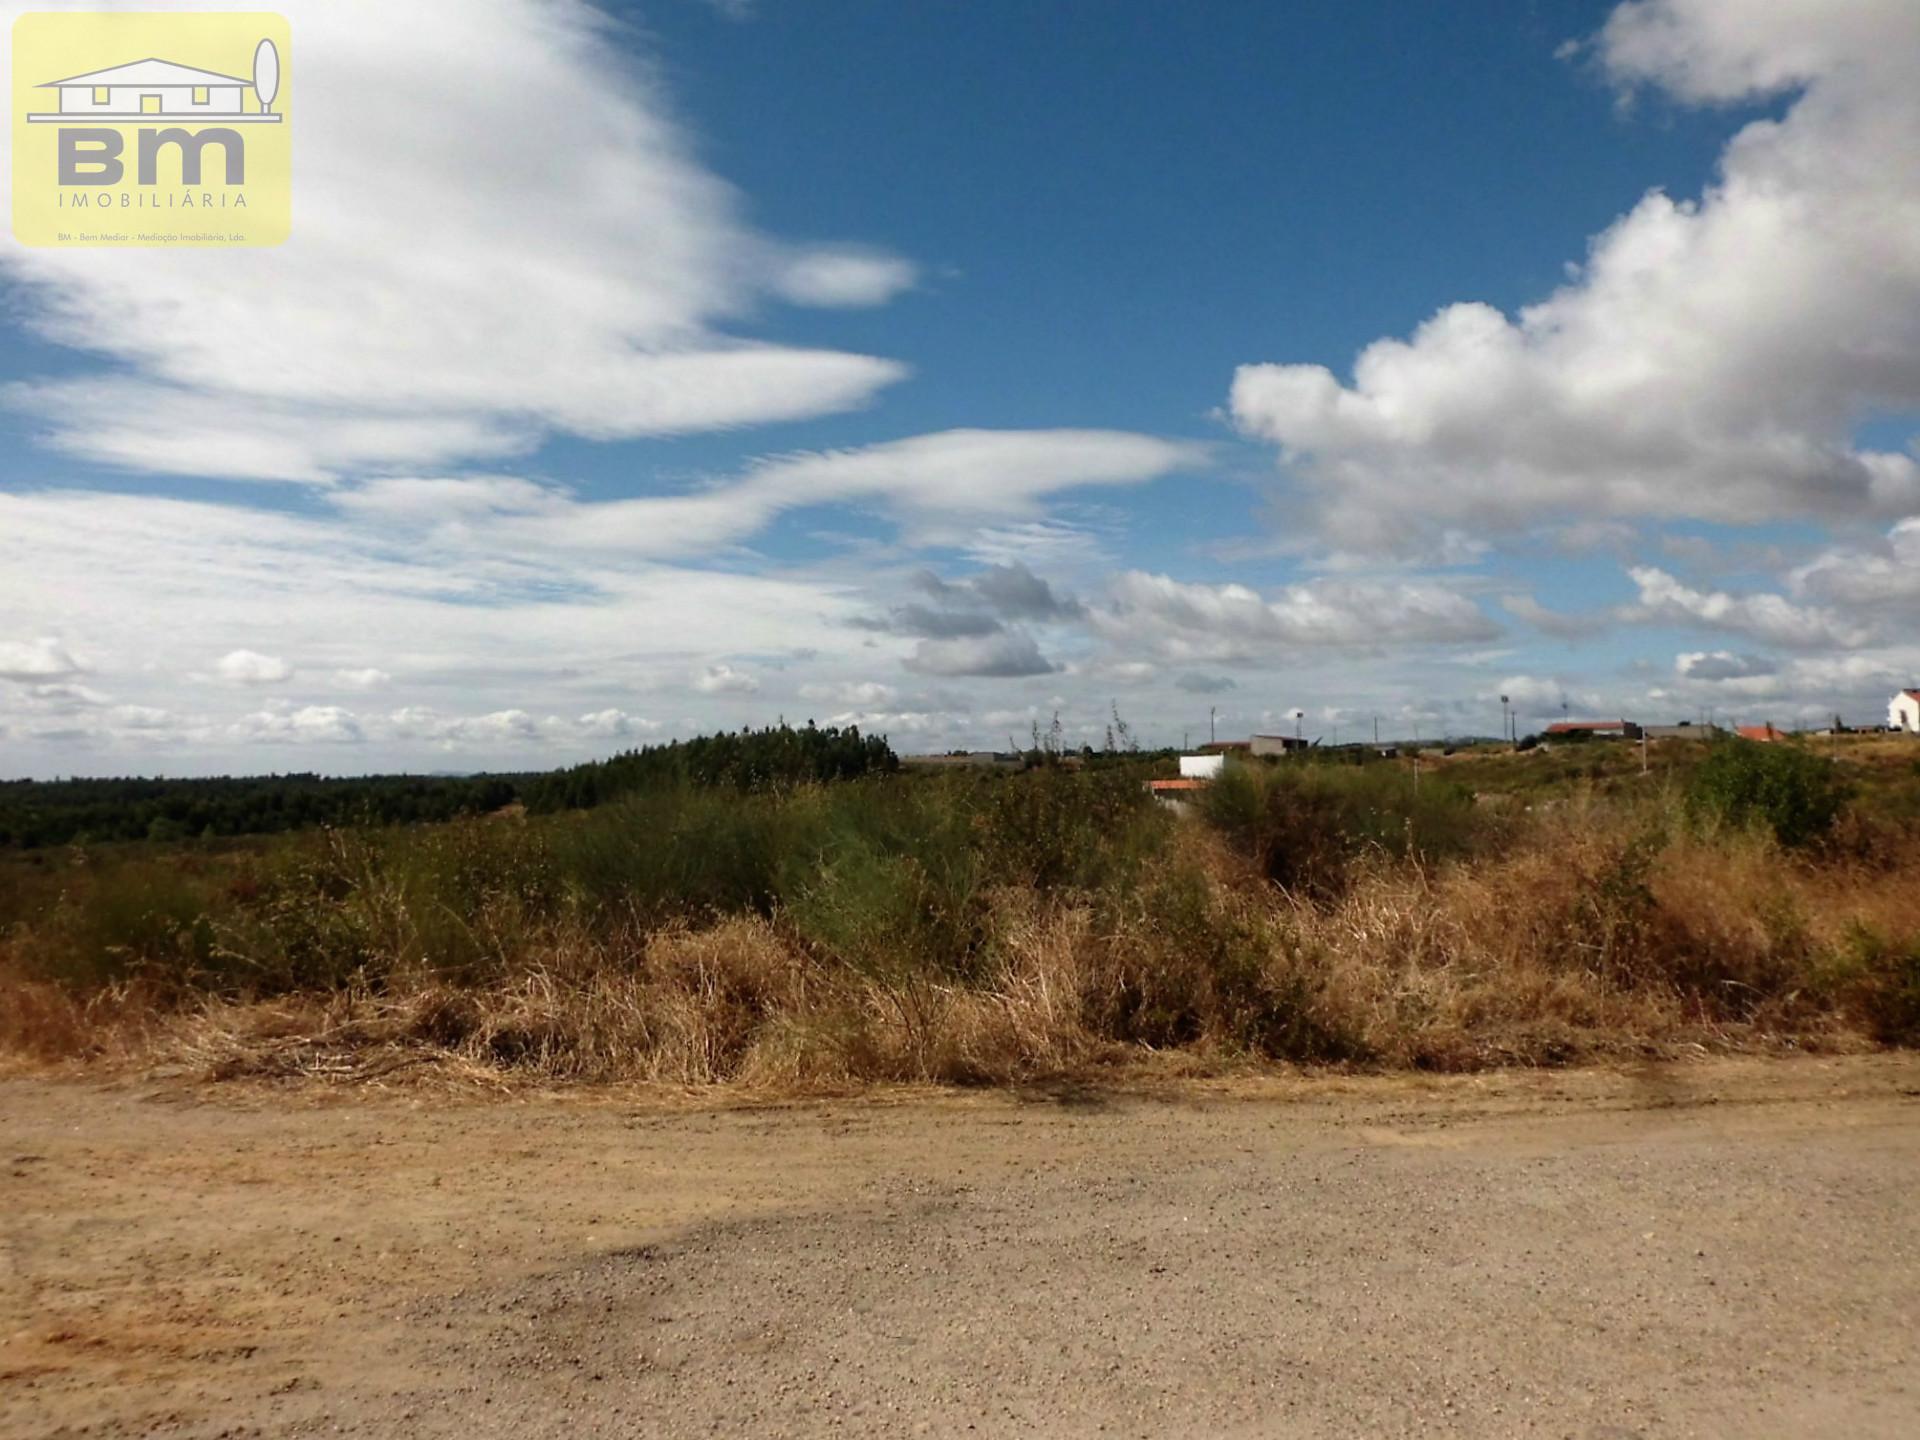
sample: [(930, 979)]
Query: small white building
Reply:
[(150, 87), (1903, 712), (1202, 767)]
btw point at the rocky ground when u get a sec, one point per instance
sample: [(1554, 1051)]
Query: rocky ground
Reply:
[(1723, 1248)]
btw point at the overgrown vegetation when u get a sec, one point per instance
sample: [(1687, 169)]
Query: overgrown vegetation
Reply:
[(756, 923), (1783, 787)]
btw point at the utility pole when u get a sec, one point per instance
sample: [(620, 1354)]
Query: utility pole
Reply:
[(1506, 719), (1212, 710), (1376, 730)]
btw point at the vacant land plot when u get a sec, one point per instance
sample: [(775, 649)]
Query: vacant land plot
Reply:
[(1712, 1249)]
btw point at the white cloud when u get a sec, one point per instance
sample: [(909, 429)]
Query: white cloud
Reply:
[(614, 724), (1722, 665), (250, 667), (365, 679), (143, 718), (43, 659), (866, 694), (725, 680), (502, 727), (1884, 579), (1541, 697), (1710, 358), (1772, 618), (383, 333), (844, 277), (307, 725), (955, 477), (1186, 622), (440, 501), (1806, 688)]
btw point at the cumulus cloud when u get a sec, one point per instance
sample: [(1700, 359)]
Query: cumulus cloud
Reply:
[(725, 680), (1539, 697), (1772, 618), (1011, 590), (1180, 621), (1884, 579), (43, 659), (1710, 358), (1006, 654), (977, 606), (250, 667), (307, 725), (614, 724), (419, 722), (531, 148), (1722, 665), (1804, 688)]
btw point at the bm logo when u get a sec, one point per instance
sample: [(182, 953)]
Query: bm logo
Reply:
[(191, 149)]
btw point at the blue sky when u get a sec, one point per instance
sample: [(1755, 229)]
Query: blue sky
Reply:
[(936, 367)]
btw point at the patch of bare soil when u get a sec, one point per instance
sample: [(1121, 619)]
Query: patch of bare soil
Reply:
[(1721, 1248)]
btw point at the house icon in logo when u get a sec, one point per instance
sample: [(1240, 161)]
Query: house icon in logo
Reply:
[(161, 89)]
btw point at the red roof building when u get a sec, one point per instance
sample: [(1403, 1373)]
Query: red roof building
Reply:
[(1764, 734), (1621, 729)]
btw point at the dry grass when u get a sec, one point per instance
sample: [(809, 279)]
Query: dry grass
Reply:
[(1580, 931)]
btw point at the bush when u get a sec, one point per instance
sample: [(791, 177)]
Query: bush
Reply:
[(1879, 979), (1304, 825), (1780, 787)]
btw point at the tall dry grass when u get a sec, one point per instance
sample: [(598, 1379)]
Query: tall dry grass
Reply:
[(971, 932)]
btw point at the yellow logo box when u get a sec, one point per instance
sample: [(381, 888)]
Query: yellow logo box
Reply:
[(152, 129)]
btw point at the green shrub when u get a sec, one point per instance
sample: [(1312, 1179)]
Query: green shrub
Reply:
[(1304, 825), (1879, 979), (892, 885), (114, 919), (1054, 828), (1783, 788)]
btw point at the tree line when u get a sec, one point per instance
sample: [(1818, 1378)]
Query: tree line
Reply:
[(62, 812)]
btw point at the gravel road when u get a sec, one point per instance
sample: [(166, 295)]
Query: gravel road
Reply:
[(1717, 1249)]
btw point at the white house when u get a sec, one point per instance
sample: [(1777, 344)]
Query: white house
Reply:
[(1202, 767), (1903, 712), (151, 87)]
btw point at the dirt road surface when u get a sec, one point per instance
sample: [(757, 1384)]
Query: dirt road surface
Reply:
[(1723, 1248)]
